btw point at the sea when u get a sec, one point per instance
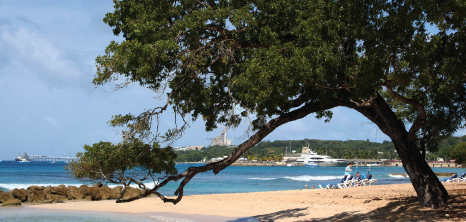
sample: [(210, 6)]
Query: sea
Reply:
[(233, 179)]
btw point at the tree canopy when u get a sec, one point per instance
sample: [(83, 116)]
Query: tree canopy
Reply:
[(127, 163), (459, 153), (277, 61)]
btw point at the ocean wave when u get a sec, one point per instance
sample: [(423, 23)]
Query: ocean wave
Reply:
[(25, 186), (313, 178), (260, 178), (398, 176)]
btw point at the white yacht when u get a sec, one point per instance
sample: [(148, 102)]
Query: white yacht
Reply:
[(309, 157)]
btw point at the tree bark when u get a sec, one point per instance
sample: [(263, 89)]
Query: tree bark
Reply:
[(429, 189), (216, 167)]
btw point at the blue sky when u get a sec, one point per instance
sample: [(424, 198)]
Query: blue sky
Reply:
[(50, 107)]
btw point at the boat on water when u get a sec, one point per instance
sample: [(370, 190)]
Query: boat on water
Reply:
[(311, 158), (22, 158)]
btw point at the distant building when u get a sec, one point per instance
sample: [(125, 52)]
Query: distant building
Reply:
[(186, 148), (221, 140)]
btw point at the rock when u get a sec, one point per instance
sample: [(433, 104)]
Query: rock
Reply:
[(94, 192), (74, 193), (444, 174), (35, 194), (20, 194), (116, 192), (4, 197), (131, 192), (58, 201), (48, 193), (60, 190), (47, 201), (105, 193), (11, 202)]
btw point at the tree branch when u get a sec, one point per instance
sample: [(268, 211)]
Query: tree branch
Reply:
[(422, 113), (236, 153)]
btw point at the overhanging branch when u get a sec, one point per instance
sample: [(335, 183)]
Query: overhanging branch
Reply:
[(216, 167)]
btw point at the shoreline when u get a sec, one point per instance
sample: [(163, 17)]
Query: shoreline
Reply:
[(370, 203)]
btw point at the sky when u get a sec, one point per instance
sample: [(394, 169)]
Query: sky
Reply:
[(49, 106)]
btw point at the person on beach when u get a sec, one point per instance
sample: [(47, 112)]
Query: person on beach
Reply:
[(358, 176), (348, 169)]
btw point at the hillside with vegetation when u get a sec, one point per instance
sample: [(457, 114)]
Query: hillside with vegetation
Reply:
[(349, 149)]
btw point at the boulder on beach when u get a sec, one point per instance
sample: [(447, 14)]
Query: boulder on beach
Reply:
[(131, 192), (60, 190), (116, 192), (11, 202), (75, 193), (58, 194), (5, 196), (35, 194), (20, 194)]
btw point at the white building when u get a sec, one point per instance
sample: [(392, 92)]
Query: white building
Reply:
[(221, 140)]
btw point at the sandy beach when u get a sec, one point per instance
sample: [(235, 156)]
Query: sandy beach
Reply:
[(371, 203)]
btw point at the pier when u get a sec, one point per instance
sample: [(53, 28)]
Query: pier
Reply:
[(50, 158)]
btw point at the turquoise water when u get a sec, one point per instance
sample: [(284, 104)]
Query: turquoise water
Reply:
[(234, 179)]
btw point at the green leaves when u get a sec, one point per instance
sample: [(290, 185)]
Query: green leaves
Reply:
[(226, 60), (459, 153), (104, 161)]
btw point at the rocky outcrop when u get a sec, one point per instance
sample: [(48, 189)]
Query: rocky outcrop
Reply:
[(20, 194), (11, 202), (35, 194), (58, 194)]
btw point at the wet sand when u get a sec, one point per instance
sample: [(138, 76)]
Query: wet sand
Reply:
[(396, 202)]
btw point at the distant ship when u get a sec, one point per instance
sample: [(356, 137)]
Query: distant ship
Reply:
[(23, 158)]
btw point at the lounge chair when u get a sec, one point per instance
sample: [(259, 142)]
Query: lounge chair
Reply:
[(449, 179), (461, 179), (372, 181), (333, 185), (348, 182), (369, 181)]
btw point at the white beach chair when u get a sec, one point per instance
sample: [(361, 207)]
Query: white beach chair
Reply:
[(369, 181), (348, 182), (461, 179), (333, 185)]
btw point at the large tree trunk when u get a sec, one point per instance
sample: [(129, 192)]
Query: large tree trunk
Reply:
[(429, 189)]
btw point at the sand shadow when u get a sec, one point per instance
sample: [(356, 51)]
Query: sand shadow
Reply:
[(400, 209), (284, 214)]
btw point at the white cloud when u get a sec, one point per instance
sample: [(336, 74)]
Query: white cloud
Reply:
[(53, 123), (26, 47)]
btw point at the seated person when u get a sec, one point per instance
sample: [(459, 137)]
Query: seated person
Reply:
[(357, 177)]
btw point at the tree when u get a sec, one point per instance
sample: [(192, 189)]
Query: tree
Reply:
[(459, 153), (127, 163), (279, 61)]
